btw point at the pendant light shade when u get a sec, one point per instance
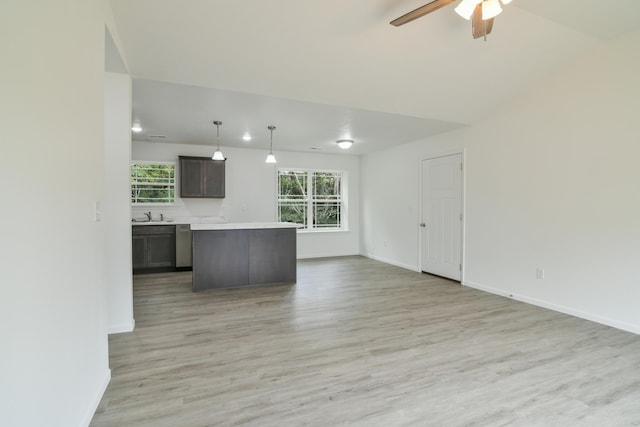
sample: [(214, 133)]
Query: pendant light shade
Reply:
[(490, 9), (218, 154), (466, 8), (271, 158)]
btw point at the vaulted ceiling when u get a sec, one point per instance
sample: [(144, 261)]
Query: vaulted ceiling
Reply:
[(322, 70)]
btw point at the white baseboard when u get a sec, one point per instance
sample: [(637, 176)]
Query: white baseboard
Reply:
[(628, 327), (123, 327), (389, 261), (86, 420), (328, 255)]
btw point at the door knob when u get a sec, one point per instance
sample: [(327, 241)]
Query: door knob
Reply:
[(422, 224)]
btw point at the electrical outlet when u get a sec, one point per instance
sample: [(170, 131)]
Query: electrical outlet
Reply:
[(540, 273)]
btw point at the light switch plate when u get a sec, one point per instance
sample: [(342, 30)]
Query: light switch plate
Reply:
[(97, 211)]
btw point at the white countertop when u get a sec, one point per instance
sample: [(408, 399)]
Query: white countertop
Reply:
[(179, 220), (214, 223), (243, 225)]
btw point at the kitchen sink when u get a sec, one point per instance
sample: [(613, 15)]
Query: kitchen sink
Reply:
[(153, 220)]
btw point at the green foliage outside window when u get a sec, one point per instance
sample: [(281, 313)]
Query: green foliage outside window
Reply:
[(326, 199), (311, 198), (152, 183)]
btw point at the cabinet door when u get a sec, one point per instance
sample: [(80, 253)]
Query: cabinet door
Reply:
[(161, 250), (139, 251), (214, 179), (191, 172), (201, 177)]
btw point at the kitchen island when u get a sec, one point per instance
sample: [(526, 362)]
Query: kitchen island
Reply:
[(243, 254)]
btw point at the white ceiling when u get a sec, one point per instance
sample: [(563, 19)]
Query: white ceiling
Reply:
[(321, 70), (184, 114)]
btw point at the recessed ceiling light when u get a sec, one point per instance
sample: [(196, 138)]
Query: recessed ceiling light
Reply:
[(246, 136), (136, 127)]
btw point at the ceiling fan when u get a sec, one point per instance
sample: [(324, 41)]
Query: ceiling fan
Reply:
[(481, 13)]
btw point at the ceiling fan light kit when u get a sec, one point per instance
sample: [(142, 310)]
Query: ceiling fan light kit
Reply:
[(480, 12), (466, 8), (490, 9)]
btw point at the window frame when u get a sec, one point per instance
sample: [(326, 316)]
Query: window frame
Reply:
[(310, 201), (171, 184)]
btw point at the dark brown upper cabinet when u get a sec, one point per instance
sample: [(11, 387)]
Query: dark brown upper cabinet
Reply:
[(201, 177)]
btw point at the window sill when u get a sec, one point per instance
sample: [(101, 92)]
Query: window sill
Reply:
[(336, 230), (146, 205)]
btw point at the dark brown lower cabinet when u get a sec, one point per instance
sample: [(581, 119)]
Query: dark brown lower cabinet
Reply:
[(153, 248), (235, 258)]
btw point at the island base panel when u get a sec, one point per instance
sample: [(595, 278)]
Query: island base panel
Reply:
[(236, 258), (272, 256), (219, 259)]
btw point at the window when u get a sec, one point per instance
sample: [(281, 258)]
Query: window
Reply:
[(312, 198), (153, 183)]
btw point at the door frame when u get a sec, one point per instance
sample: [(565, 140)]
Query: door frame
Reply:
[(463, 198)]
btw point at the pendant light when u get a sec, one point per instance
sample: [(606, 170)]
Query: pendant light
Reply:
[(271, 158), (218, 154)]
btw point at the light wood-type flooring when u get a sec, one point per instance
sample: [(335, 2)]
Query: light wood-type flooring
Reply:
[(357, 342)]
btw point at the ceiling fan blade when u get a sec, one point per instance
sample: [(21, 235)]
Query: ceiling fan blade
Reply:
[(421, 11), (480, 27)]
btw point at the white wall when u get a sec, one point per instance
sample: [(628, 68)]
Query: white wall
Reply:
[(390, 203), (54, 361), (117, 202), (551, 181), (251, 191)]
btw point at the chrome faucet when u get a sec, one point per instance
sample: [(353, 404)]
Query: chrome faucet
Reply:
[(148, 215)]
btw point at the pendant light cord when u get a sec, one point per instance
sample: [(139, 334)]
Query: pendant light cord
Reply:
[(271, 128), (218, 123)]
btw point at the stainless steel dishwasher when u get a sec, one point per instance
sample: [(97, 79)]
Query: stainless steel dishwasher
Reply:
[(183, 247)]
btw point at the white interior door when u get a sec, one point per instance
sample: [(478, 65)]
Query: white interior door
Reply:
[(441, 222)]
